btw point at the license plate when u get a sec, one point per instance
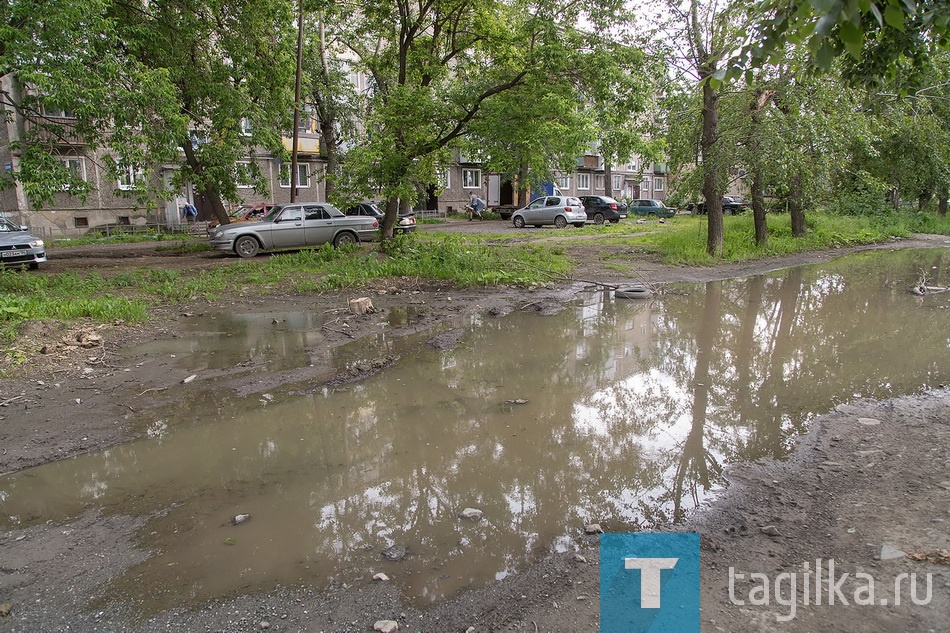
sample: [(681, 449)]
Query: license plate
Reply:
[(12, 253)]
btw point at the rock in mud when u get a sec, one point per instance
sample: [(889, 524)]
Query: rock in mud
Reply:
[(770, 530), (5, 609), (889, 552), (394, 552), (471, 513), (593, 528), (386, 626), (381, 577), (238, 519)]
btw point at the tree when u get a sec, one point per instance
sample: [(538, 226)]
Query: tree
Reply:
[(437, 68)]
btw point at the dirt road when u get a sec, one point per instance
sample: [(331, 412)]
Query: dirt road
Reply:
[(869, 483)]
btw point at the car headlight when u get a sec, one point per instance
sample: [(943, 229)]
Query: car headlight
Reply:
[(37, 244)]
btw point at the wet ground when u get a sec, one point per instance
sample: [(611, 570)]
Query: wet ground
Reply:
[(546, 415)]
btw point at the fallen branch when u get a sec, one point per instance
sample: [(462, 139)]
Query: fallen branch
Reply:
[(9, 400)]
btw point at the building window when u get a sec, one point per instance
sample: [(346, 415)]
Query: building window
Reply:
[(123, 220), (471, 178), (645, 187), (618, 182), (599, 182), (129, 175), (246, 127), (80, 222), (77, 171), (303, 175), (583, 182), (55, 112), (564, 183), (444, 179), (242, 174), (657, 184)]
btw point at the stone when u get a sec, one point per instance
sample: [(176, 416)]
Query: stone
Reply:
[(889, 552), (265, 624), (363, 305), (471, 513), (381, 577), (386, 626), (579, 559), (394, 552), (869, 421), (238, 519), (770, 530), (593, 528), (189, 379), (5, 609)]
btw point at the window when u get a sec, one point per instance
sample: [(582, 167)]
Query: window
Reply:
[(645, 186), (316, 212), (599, 182), (129, 175), (583, 182), (633, 166), (563, 183), (657, 184), (77, 170), (80, 222), (55, 112), (123, 220), (471, 178), (445, 179), (242, 174), (246, 127), (618, 182), (303, 175)]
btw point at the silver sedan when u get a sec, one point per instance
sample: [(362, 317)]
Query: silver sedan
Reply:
[(557, 210), (18, 247), (293, 226)]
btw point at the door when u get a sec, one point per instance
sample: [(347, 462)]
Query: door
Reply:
[(533, 212), (288, 230), (319, 226), (494, 190)]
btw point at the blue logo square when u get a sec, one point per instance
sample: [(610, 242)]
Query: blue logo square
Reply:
[(649, 582)]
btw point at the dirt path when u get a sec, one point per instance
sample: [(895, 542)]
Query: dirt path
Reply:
[(870, 478)]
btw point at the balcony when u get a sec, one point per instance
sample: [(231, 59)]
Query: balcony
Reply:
[(55, 130), (304, 145)]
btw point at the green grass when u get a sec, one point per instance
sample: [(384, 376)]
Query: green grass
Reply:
[(684, 242)]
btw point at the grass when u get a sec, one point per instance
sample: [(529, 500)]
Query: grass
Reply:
[(466, 260)]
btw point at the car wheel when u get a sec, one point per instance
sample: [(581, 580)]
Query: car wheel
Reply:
[(560, 222), (345, 238), (246, 246), (518, 222), (598, 218)]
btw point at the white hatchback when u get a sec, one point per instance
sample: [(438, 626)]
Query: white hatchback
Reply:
[(557, 210)]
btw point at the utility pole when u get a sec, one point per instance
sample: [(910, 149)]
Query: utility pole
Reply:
[(296, 134)]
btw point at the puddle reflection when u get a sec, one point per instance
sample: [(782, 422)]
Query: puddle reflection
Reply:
[(633, 409)]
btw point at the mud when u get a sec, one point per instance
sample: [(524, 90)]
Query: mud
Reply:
[(850, 489)]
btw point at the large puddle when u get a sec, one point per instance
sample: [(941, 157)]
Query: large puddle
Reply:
[(632, 410)]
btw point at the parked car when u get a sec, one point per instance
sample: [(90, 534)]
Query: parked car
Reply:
[(246, 213), (405, 223), (294, 226), (557, 210), (18, 247), (601, 208), (651, 207), (731, 205)]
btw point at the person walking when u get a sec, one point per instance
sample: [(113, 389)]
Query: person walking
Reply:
[(475, 206)]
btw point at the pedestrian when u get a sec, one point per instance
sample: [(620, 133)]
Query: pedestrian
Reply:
[(189, 213), (475, 206)]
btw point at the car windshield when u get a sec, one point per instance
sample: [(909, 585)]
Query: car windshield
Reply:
[(8, 227)]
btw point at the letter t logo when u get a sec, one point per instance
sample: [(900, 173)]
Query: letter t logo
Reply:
[(649, 578)]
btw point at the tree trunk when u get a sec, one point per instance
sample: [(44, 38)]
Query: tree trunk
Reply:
[(923, 200), (210, 192), (389, 221), (331, 152), (524, 189), (711, 191), (942, 204), (795, 208), (608, 181), (758, 210)]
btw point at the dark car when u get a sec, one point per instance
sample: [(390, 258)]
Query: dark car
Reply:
[(19, 247), (652, 207), (731, 205), (601, 208), (405, 223)]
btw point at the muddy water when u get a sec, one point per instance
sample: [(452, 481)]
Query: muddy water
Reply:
[(631, 411)]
